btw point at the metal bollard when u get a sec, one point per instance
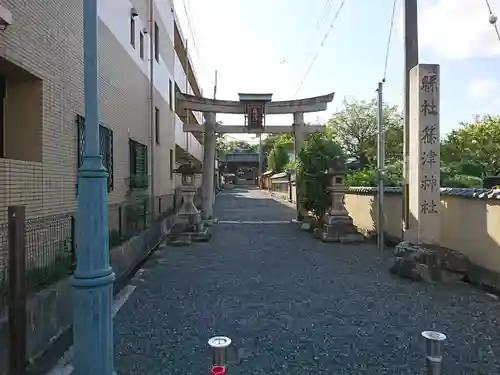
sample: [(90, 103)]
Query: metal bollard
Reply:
[(434, 352), (219, 345)]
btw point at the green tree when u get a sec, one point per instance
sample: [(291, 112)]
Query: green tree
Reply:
[(224, 146), (474, 147), (269, 142), (368, 176), (355, 129), (278, 158), (314, 160)]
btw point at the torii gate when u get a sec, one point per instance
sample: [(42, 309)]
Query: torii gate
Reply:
[(254, 107)]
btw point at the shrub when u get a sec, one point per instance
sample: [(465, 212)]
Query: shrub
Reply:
[(278, 158), (314, 160)]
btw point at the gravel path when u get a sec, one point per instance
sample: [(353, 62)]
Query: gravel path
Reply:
[(293, 305)]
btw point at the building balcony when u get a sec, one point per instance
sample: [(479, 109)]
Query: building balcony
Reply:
[(183, 86), (190, 146), (181, 51)]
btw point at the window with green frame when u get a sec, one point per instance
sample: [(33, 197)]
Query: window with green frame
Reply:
[(105, 145), (138, 164)]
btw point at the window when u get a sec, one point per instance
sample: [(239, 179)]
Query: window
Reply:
[(157, 125), (2, 117), (105, 145), (132, 31), (157, 43), (171, 164), (141, 45), (138, 164), (171, 94)]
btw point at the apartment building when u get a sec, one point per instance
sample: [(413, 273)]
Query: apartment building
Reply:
[(42, 106)]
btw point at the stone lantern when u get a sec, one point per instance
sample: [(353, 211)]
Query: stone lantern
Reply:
[(188, 212), (188, 225), (338, 225)]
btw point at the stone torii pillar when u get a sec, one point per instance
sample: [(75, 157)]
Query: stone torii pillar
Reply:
[(208, 176), (299, 135)]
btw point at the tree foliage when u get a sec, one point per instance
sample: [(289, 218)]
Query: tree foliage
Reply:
[(368, 176), (278, 158), (450, 177), (355, 129), (475, 146), (236, 145), (285, 139), (314, 160)]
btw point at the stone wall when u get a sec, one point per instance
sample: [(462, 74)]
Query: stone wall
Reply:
[(50, 311), (469, 223)]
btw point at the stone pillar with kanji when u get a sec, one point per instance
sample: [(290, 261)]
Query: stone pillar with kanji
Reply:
[(420, 257), (338, 225), (424, 157)]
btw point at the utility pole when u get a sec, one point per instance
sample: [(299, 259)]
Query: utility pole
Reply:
[(411, 60), (215, 84), (217, 175), (380, 167)]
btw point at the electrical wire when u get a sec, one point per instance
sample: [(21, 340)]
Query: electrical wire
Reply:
[(330, 28), (325, 12), (388, 46), (493, 19), (190, 28), (322, 15)]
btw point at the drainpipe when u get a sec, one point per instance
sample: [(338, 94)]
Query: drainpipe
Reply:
[(186, 70), (151, 104)]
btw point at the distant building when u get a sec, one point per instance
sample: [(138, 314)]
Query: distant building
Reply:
[(242, 167)]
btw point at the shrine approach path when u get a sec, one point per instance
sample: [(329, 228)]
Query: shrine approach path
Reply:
[(293, 305)]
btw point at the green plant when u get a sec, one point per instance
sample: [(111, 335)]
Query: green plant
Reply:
[(138, 181), (114, 238), (278, 158), (136, 215), (462, 181), (365, 177), (314, 161)]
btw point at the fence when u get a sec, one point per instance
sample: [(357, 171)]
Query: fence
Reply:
[(49, 244), (50, 240), (282, 184)]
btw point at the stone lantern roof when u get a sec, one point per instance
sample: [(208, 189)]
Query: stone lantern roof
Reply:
[(337, 166), (188, 169)]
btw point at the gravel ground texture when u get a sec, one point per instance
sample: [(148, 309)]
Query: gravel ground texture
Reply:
[(294, 305)]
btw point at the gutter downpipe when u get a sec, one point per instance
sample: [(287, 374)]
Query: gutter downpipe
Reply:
[(151, 105)]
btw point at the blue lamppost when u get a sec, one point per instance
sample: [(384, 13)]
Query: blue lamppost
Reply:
[(94, 277)]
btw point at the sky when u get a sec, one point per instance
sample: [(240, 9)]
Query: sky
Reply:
[(268, 46)]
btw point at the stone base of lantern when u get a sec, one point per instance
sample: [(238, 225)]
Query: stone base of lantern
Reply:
[(211, 221), (340, 228), (188, 226)]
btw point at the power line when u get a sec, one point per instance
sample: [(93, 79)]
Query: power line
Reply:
[(190, 28), (493, 19), (330, 28), (323, 14), (387, 49)]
